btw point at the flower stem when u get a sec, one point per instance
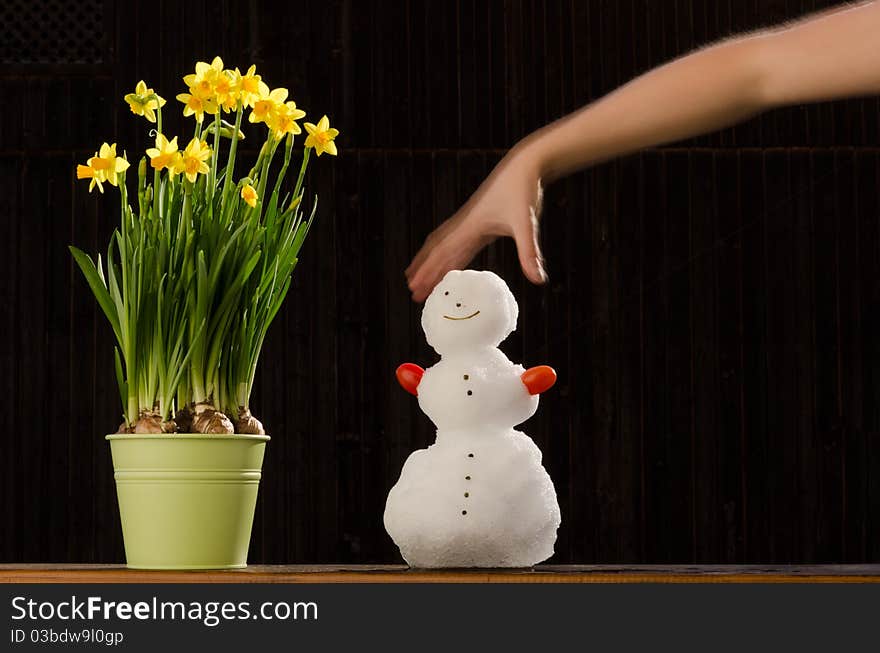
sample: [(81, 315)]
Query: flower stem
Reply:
[(212, 179), (230, 165), (156, 172), (264, 173), (302, 172), (196, 332), (287, 152)]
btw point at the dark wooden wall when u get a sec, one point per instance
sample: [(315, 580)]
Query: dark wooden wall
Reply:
[(713, 310)]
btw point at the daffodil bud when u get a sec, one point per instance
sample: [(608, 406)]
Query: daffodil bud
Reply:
[(227, 129), (141, 187)]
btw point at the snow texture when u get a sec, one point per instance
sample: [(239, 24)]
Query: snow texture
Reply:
[(479, 496)]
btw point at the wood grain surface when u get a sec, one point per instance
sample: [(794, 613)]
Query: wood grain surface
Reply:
[(401, 574)]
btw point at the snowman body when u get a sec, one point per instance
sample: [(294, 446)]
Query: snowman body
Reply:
[(479, 496)]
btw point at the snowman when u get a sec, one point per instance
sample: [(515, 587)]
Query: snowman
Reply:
[(479, 496)]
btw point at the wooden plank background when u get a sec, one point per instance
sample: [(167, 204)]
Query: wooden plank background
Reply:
[(713, 308)]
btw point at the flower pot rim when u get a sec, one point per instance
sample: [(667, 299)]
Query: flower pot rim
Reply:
[(186, 436)]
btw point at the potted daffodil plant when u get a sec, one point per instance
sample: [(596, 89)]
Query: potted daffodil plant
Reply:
[(193, 276)]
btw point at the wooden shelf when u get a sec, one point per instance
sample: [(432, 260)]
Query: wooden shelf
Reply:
[(65, 573)]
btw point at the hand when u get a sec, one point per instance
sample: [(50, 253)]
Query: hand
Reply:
[(507, 203)]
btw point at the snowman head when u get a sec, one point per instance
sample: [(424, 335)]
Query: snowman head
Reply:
[(468, 309)]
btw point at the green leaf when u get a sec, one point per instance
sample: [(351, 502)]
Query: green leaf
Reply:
[(99, 290), (120, 379)]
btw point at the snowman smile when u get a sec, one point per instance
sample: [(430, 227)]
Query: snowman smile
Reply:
[(474, 314)]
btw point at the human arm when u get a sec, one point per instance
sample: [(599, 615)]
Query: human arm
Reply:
[(822, 57)]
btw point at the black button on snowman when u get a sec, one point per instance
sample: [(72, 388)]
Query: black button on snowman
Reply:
[(479, 496)]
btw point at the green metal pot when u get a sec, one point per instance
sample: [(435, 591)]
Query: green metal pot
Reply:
[(187, 500)]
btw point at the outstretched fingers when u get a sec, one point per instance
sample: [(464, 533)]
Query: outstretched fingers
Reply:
[(530, 258), (431, 242), (452, 252)]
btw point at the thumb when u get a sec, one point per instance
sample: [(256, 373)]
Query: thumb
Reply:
[(530, 259)]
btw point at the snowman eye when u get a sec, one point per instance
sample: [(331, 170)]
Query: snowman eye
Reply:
[(446, 293)]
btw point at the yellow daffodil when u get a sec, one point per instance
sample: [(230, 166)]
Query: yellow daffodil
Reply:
[(192, 162), (165, 154), (226, 89), (283, 120), (197, 106), (267, 102), (144, 101), (248, 86), (201, 84), (107, 163), (249, 195), (321, 137), (88, 172)]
